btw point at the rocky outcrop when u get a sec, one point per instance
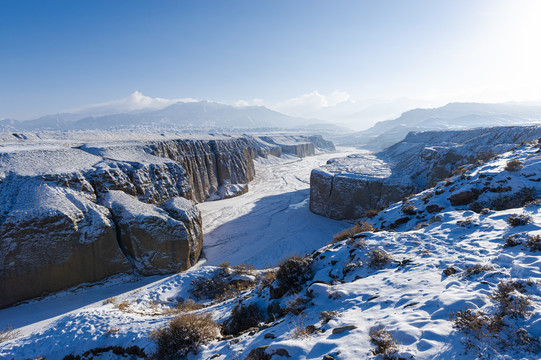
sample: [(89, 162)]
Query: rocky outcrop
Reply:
[(292, 144), (53, 237), (156, 240), (220, 168), (73, 212), (346, 188)]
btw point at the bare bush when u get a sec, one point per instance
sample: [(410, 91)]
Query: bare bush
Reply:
[(370, 213), (383, 342), (184, 306), (474, 324), (378, 258), (184, 334), (534, 243), (326, 316), (294, 272), (476, 269), (242, 318), (220, 286), (9, 334), (360, 227), (518, 220), (522, 197), (467, 222), (514, 165), (409, 209), (296, 305), (510, 299)]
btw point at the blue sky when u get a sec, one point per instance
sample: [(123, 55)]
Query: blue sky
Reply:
[(290, 55)]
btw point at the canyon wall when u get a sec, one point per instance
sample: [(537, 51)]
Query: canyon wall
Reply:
[(79, 211)]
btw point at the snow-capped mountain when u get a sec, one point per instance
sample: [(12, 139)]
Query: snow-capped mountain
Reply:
[(453, 116), (139, 112)]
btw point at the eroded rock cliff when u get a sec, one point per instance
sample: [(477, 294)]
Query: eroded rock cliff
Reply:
[(79, 210), (346, 188)]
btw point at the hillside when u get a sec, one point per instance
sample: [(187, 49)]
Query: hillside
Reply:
[(202, 115), (452, 273), (453, 116)]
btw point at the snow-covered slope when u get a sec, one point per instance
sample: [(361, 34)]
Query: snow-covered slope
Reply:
[(453, 116), (347, 188), (464, 285)]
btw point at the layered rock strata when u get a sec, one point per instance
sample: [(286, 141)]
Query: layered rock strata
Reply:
[(74, 212), (346, 188)]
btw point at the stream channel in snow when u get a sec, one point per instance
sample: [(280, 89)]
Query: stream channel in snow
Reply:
[(271, 221)]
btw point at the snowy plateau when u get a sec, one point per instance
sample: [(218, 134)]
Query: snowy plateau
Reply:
[(451, 271)]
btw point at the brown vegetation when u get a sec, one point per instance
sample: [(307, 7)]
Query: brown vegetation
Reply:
[(184, 334)]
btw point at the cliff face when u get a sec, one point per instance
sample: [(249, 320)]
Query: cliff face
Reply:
[(223, 168), (73, 213), (346, 188)]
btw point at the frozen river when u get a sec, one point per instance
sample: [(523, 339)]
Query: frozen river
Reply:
[(272, 220)]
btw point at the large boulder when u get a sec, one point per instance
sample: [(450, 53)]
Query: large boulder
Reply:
[(51, 238), (154, 241)]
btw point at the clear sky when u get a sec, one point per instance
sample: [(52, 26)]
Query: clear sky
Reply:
[(287, 54)]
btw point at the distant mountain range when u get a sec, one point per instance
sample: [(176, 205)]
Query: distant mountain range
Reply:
[(201, 115), (453, 116)]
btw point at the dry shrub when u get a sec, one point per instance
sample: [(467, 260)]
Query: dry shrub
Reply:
[(326, 316), (111, 331), (131, 352), (184, 334), (511, 302), (510, 299), (244, 269), (122, 306), (242, 318), (183, 306), (522, 197), (220, 287), (370, 213), (384, 343), (518, 220), (9, 334), (409, 209), (300, 330), (267, 279), (535, 202), (294, 272), (296, 305), (464, 198), (475, 324), (378, 258), (534, 243), (426, 196), (476, 269), (512, 240), (363, 226), (514, 165), (467, 222)]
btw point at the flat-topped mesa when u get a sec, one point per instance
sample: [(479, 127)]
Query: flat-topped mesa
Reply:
[(75, 210), (346, 188)]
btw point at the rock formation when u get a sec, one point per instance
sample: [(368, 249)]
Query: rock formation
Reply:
[(74, 210), (346, 188)]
